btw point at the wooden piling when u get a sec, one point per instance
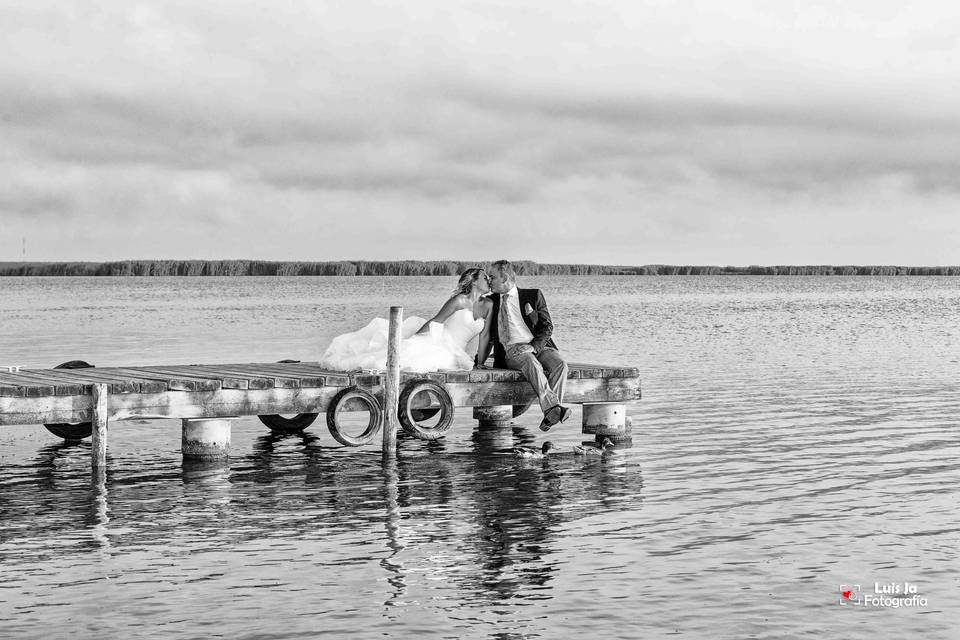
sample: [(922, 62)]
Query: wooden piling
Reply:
[(391, 385), (99, 423)]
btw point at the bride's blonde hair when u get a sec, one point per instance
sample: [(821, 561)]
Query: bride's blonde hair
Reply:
[(467, 278)]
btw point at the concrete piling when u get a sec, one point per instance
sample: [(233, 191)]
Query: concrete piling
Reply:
[(205, 439)]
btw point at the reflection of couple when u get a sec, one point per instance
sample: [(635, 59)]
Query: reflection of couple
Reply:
[(515, 324)]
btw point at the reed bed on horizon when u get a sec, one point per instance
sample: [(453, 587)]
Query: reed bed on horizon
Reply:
[(433, 268)]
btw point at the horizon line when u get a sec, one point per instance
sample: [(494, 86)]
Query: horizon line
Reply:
[(10, 263)]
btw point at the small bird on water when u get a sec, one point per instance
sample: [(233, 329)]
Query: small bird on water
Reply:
[(532, 453), (606, 448)]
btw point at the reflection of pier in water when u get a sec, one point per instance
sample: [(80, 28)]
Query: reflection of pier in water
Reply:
[(495, 517)]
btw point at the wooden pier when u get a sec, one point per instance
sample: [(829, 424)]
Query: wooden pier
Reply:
[(205, 397)]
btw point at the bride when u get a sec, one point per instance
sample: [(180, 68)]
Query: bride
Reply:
[(427, 345)]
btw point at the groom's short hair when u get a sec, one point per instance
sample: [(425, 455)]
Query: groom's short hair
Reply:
[(505, 267)]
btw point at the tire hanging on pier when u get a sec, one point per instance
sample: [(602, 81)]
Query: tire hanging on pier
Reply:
[(407, 415), (71, 430), (337, 405), (282, 426)]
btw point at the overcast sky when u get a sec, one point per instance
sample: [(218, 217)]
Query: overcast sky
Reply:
[(632, 132)]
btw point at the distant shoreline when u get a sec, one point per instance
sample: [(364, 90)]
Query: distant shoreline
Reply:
[(434, 268)]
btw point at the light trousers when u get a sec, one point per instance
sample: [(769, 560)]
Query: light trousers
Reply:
[(546, 372)]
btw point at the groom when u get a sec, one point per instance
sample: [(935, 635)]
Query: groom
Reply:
[(519, 329)]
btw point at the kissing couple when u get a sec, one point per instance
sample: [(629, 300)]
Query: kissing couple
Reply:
[(487, 310)]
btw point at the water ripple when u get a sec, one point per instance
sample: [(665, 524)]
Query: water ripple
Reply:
[(795, 435)]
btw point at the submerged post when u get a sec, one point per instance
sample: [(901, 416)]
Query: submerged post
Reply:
[(391, 384), (99, 424)]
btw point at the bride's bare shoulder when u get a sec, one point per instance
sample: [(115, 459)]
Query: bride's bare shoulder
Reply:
[(455, 302), (483, 307), (459, 301)]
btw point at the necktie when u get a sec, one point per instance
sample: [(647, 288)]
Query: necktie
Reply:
[(503, 321)]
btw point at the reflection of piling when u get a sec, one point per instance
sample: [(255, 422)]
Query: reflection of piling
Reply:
[(608, 420), (492, 440), (391, 385), (99, 512), (210, 472), (391, 563)]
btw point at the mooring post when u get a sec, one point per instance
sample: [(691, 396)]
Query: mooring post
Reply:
[(99, 423), (391, 388)]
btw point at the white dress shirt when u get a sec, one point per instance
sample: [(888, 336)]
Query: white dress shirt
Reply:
[(516, 329)]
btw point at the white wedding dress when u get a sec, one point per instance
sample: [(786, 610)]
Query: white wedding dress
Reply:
[(445, 346)]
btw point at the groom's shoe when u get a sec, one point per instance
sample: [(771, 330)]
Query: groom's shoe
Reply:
[(554, 415)]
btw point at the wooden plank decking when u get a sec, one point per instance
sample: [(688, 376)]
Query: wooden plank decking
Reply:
[(33, 396)]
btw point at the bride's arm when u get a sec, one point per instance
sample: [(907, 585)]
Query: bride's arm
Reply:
[(483, 343), (449, 307)]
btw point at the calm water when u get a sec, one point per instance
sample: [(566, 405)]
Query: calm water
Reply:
[(795, 434)]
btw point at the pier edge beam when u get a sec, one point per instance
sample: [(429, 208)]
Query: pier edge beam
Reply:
[(205, 439), (98, 453), (607, 420)]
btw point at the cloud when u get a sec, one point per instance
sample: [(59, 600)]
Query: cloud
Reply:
[(658, 124), (21, 201)]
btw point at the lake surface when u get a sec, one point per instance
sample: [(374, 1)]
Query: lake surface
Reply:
[(796, 434)]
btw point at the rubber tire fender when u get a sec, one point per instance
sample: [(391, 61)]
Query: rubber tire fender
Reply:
[(406, 415), (286, 426), (71, 430), (339, 401)]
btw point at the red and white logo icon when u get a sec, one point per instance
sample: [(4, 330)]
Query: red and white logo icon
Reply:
[(849, 594)]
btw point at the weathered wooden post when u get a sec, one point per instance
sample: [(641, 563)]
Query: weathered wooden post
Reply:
[(391, 383), (607, 420), (205, 439), (99, 423)]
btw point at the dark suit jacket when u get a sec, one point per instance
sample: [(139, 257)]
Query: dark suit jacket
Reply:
[(539, 323)]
